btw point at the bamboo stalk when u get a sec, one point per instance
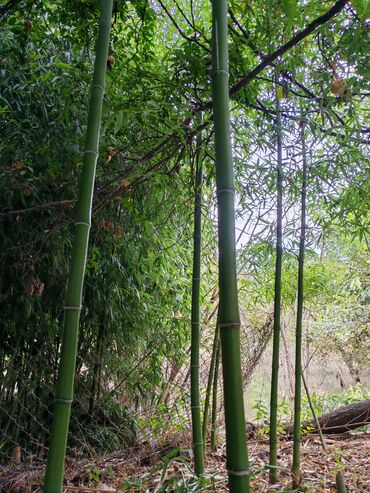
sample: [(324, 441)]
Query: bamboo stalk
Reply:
[(64, 389), (296, 467), (339, 483), (209, 385), (277, 303), (229, 318), (314, 415), (215, 399), (95, 384), (195, 315)]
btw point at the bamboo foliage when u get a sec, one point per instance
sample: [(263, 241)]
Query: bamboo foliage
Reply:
[(296, 473), (64, 389), (229, 318), (195, 316), (277, 302)]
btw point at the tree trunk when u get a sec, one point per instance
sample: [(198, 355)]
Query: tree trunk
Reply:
[(339, 421)]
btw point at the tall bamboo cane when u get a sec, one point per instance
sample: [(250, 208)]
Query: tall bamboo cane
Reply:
[(64, 389), (277, 302), (229, 319), (195, 316), (296, 473)]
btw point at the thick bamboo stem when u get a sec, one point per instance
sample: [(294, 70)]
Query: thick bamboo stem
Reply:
[(195, 316), (229, 318), (277, 303), (296, 467), (64, 389)]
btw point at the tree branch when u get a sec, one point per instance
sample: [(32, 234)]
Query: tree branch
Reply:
[(338, 7), (269, 59), (61, 203)]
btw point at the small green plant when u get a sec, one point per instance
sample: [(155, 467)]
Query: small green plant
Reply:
[(262, 416), (94, 474), (324, 403)]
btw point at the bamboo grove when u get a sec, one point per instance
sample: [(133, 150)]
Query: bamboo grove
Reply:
[(185, 197)]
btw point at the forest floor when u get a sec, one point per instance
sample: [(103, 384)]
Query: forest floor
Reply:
[(168, 468)]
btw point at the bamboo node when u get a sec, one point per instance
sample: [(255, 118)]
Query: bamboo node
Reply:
[(195, 323), (221, 71), (99, 86), (229, 324), (196, 407), (82, 223), (244, 472), (225, 190), (89, 151), (73, 307), (65, 401)]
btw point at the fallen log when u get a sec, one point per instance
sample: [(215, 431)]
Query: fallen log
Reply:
[(339, 421)]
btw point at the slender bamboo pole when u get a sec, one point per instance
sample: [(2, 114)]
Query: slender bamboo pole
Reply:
[(207, 401), (64, 389), (296, 467), (95, 384), (229, 318), (277, 302), (214, 398), (314, 415), (195, 315)]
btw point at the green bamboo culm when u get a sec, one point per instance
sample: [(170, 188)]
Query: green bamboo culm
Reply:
[(64, 388), (296, 466), (207, 401), (195, 315), (215, 399), (277, 301), (229, 318), (339, 483)]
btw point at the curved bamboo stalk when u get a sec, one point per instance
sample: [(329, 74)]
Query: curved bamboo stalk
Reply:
[(229, 318), (277, 302), (195, 316), (64, 389), (296, 467)]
